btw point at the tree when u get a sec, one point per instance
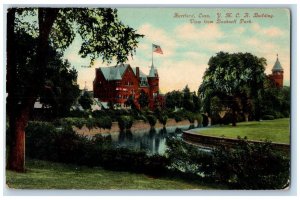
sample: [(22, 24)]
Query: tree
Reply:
[(61, 89), (232, 77), (143, 99), (187, 101), (174, 99), (85, 100), (103, 36), (196, 102)]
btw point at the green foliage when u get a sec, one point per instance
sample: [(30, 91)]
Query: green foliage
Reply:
[(205, 120), (85, 100), (252, 166), (187, 101), (143, 99), (130, 102), (163, 119), (188, 158), (39, 137), (152, 120), (125, 122), (174, 99), (104, 122), (45, 142), (190, 116), (246, 166), (276, 102), (104, 141), (199, 119), (233, 77), (196, 102)]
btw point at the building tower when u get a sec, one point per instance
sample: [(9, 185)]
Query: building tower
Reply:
[(277, 74), (153, 81)]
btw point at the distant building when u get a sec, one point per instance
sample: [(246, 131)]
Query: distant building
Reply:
[(116, 84), (277, 74)]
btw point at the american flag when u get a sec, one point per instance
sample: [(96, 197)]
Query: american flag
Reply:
[(157, 49)]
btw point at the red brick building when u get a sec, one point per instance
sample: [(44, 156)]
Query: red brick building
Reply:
[(116, 84), (277, 74)]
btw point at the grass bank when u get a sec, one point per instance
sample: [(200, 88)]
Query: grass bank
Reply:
[(48, 175), (275, 130)]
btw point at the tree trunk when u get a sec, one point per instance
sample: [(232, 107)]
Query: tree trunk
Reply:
[(234, 116), (17, 127), (246, 115)]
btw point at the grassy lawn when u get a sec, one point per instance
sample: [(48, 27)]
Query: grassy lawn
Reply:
[(48, 175), (275, 130)]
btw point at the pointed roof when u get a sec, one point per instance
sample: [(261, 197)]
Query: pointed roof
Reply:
[(277, 66), (152, 72)]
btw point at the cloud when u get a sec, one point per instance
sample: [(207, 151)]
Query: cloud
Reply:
[(175, 75), (267, 32), (189, 32), (239, 30), (157, 36)]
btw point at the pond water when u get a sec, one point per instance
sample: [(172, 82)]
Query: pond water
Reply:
[(153, 141)]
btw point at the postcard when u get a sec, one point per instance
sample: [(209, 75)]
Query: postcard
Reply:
[(148, 98)]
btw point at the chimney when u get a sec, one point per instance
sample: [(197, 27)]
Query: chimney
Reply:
[(138, 72)]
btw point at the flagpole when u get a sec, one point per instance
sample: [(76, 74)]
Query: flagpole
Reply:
[(152, 54)]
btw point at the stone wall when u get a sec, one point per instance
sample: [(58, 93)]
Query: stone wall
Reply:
[(212, 141)]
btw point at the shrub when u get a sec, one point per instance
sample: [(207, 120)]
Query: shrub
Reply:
[(103, 122), (125, 122), (247, 166), (178, 118), (39, 139), (44, 141), (268, 117), (252, 166), (204, 120), (188, 158), (198, 118), (163, 119), (191, 117), (102, 140), (152, 120)]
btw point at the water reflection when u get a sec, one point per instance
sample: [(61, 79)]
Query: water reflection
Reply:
[(152, 141)]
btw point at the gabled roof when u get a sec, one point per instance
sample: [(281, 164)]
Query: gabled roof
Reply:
[(277, 66), (114, 72)]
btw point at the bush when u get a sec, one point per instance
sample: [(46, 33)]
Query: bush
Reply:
[(152, 120), (252, 166), (247, 166), (125, 122), (205, 120), (39, 139), (191, 117), (268, 117), (100, 122), (45, 142), (178, 118), (103, 122), (163, 119), (198, 118)]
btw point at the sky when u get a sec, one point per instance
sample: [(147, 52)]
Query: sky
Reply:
[(188, 37)]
